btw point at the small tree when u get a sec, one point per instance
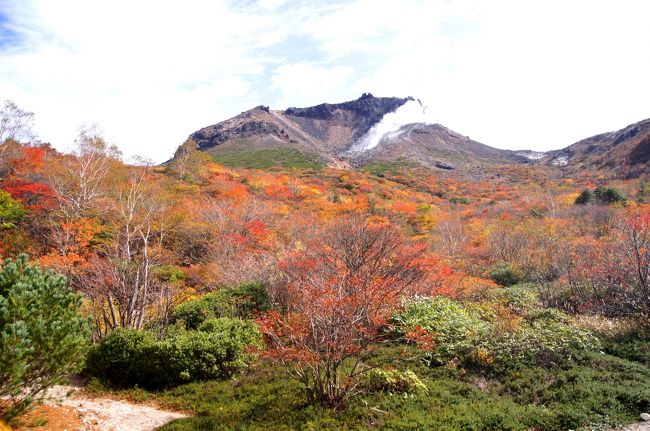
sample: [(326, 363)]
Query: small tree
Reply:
[(642, 192), (10, 210), (43, 337), (608, 195), (625, 266), (15, 124), (585, 197), (343, 288)]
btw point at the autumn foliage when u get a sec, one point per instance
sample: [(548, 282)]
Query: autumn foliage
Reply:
[(337, 251), (341, 291)]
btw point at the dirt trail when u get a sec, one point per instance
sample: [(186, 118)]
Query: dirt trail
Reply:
[(106, 414), (640, 426)]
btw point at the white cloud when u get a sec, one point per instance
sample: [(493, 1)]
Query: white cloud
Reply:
[(512, 74), (301, 83), (536, 75), (149, 72)]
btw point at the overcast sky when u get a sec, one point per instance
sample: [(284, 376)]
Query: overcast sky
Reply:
[(514, 74)]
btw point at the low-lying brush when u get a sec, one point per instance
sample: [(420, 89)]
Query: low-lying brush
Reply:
[(268, 158), (221, 348), (394, 381), (241, 301), (470, 334), (594, 391)]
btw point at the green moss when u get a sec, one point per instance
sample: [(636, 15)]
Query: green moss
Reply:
[(287, 158)]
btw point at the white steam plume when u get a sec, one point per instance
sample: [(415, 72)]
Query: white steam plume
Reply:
[(411, 112)]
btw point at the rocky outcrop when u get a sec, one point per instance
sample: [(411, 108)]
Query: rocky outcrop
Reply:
[(218, 134), (364, 112)]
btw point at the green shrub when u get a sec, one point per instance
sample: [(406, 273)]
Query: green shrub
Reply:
[(544, 337), (130, 357), (394, 381), (268, 158), (468, 334), (455, 200), (198, 355), (266, 400), (601, 195), (506, 274), (242, 301), (120, 357), (194, 312), (593, 391), (585, 197), (632, 348), (43, 336), (247, 299), (608, 195), (456, 330), (170, 274), (522, 298), (10, 210), (383, 168)]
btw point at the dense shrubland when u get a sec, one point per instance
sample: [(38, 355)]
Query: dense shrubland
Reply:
[(393, 298)]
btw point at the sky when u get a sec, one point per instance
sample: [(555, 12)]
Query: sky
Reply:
[(515, 74)]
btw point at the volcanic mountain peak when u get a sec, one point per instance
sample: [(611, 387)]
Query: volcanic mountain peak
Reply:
[(351, 133), (326, 129)]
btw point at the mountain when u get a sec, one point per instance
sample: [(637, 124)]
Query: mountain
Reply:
[(332, 134), (624, 153), (362, 131), (326, 130)]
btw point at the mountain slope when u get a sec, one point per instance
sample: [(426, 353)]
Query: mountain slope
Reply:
[(436, 146), (625, 152)]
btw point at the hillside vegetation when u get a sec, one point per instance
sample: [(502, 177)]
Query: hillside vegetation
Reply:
[(262, 290)]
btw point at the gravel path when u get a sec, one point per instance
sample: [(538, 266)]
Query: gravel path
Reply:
[(641, 426), (106, 414)]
